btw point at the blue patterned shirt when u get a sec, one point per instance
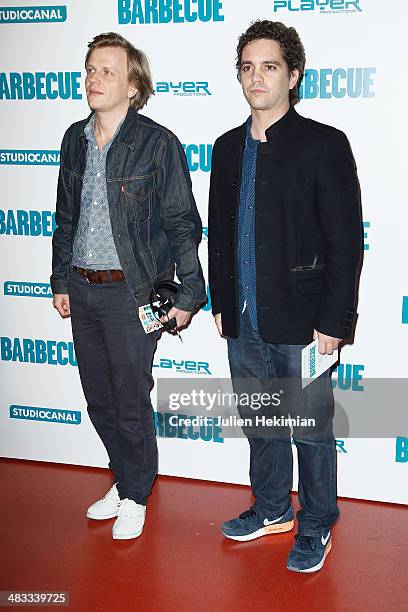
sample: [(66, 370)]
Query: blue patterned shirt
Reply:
[(246, 229), (94, 248)]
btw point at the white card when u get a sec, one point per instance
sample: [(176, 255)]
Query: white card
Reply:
[(148, 320), (314, 364)]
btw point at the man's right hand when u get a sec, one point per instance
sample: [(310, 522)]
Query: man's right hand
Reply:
[(218, 322), (61, 303)]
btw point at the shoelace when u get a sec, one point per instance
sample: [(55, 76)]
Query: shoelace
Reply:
[(305, 542), (130, 509)]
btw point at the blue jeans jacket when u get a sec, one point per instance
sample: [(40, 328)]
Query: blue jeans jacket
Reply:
[(155, 223)]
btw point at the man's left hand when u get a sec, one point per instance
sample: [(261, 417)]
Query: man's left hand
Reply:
[(326, 344), (182, 317)]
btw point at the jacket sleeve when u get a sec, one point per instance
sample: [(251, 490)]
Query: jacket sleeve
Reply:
[(214, 237), (181, 224), (61, 240), (339, 209)]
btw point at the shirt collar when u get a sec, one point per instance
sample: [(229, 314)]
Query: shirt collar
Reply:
[(89, 130), (250, 140)]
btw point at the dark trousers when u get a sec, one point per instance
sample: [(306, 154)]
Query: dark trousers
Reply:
[(115, 365), (271, 461)]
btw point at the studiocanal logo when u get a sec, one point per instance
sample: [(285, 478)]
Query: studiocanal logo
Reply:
[(169, 11), (29, 157), (27, 222), (327, 83), (187, 366), (40, 86), (33, 14), (21, 289), (29, 350), (198, 157), (321, 6), (48, 415), (401, 449), (184, 88)]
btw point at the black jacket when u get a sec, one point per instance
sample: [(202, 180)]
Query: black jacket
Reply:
[(154, 218), (308, 230)]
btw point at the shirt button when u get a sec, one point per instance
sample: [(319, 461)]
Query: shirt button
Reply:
[(92, 229), (95, 147), (98, 175), (96, 203), (89, 254)]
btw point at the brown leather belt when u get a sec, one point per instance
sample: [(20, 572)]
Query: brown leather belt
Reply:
[(100, 276)]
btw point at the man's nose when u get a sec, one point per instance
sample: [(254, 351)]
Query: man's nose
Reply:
[(257, 74), (94, 78)]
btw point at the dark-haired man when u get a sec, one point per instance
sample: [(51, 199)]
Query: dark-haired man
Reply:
[(125, 216), (284, 247)]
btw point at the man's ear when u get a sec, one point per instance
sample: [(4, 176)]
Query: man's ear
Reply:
[(293, 78)]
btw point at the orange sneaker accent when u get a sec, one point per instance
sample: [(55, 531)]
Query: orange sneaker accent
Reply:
[(281, 528)]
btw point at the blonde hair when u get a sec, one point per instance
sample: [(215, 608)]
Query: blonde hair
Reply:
[(138, 65)]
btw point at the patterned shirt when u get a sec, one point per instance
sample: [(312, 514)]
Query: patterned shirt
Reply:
[(94, 248), (246, 229)]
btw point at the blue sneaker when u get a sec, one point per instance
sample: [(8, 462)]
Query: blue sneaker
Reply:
[(251, 525), (309, 553)]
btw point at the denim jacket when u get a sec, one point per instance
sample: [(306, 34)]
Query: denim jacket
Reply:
[(155, 223)]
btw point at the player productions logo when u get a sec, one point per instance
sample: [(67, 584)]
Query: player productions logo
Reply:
[(401, 449), (20, 289), (169, 11), (29, 157), (33, 14), (327, 83), (40, 86), (198, 157), (183, 427), (48, 415), (348, 377), (197, 368), (27, 223), (184, 88), (324, 7), (43, 352)]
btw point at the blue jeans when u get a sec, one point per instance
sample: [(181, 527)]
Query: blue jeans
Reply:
[(271, 461), (115, 365)]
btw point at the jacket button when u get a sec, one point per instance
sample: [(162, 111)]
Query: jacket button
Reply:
[(232, 276), (234, 184), (232, 217), (232, 246)]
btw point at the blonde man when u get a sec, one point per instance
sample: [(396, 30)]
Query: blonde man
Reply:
[(125, 217)]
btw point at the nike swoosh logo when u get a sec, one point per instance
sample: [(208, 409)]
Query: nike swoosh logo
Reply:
[(266, 522), (326, 539)]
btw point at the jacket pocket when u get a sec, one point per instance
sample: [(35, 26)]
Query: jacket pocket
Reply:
[(138, 195)]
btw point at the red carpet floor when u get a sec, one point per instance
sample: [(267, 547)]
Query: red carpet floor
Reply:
[(181, 562)]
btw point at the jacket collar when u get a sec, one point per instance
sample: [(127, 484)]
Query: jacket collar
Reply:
[(128, 131), (278, 128)]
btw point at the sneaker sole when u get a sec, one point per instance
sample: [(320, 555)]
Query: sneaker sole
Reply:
[(127, 536), (269, 530), (317, 567), (95, 517)]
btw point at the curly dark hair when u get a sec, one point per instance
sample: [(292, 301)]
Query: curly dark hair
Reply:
[(291, 46)]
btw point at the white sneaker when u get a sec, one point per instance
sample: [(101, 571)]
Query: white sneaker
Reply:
[(105, 508), (130, 521)]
